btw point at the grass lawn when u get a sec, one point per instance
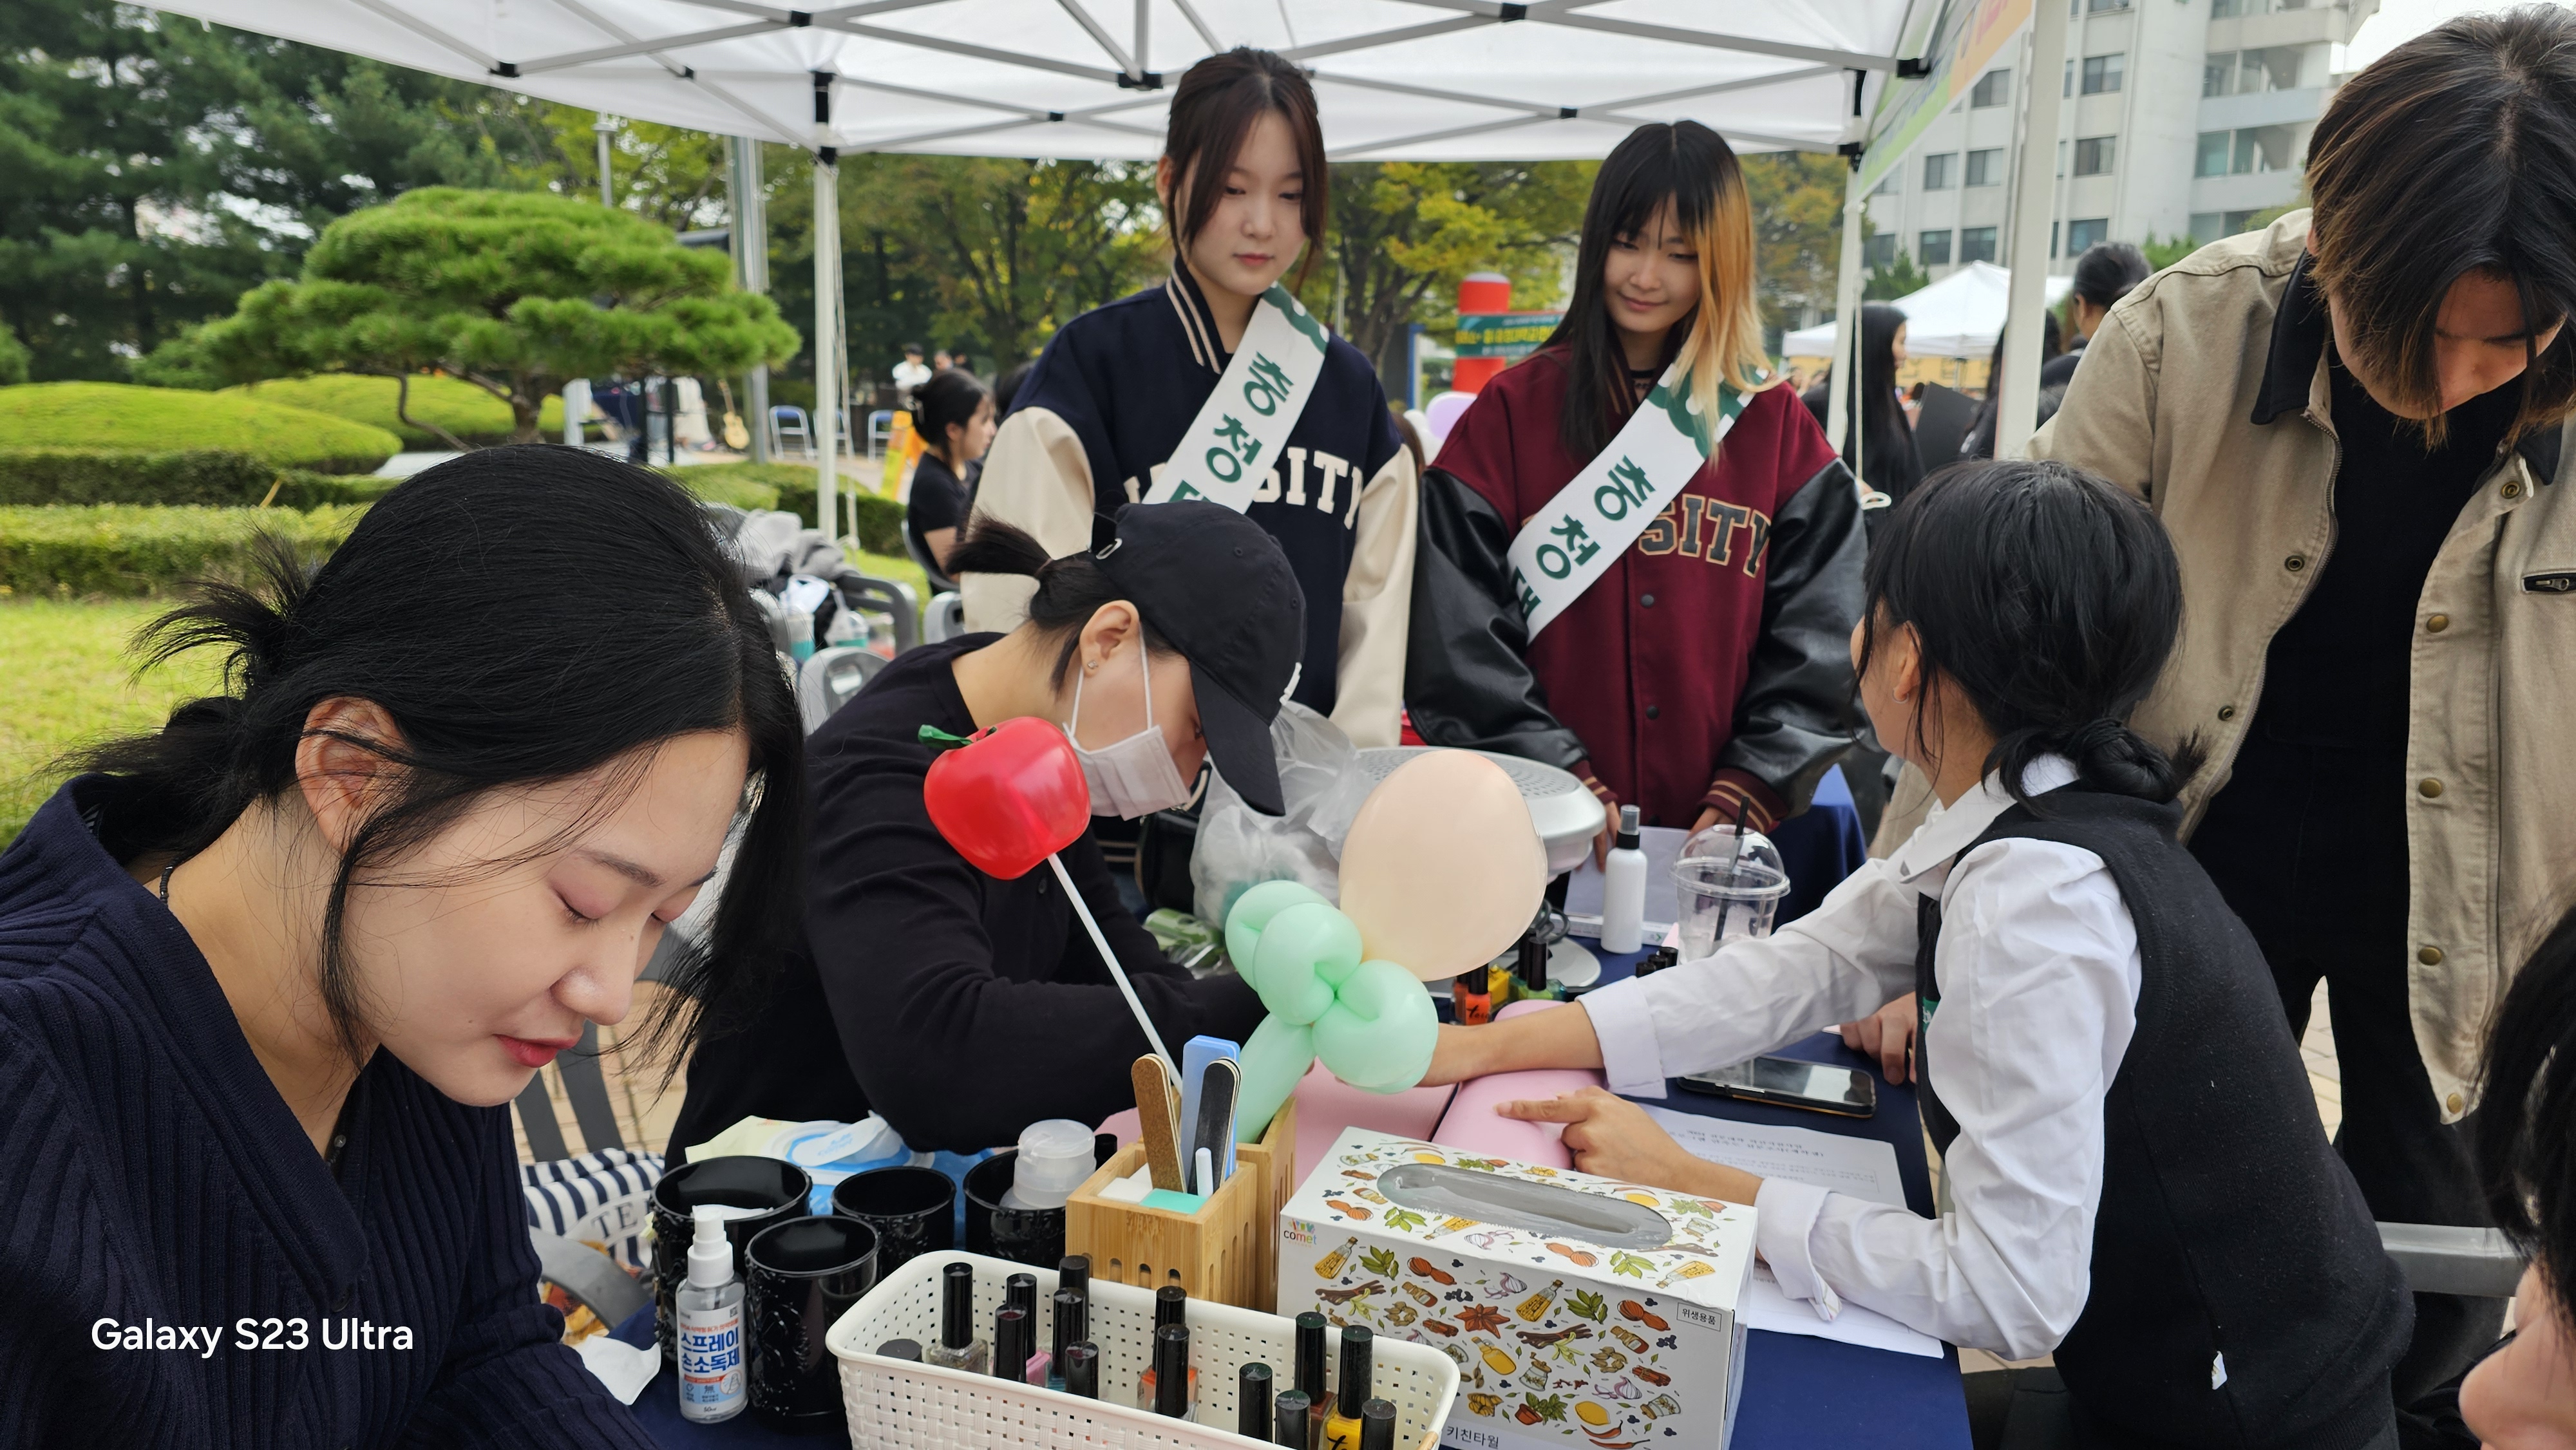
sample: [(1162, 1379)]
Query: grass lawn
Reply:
[(70, 683)]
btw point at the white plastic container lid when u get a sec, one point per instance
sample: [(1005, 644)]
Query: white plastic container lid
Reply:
[(1055, 1157)]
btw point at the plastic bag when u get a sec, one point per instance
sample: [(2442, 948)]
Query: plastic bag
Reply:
[(1239, 848)]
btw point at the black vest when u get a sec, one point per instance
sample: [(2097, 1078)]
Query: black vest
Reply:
[(2228, 1226)]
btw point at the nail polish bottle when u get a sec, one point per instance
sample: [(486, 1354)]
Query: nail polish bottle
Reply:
[(1074, 1272), (1342, 1428), (1082, 1370), (1175, 1385), (1072, 1316), (1377, 1425), (1289, 1425), (1171, 1307), (1011, 1344), (957, 1346), (901, 1349), (1020, 1291), (1252, 1401), (1310, 1375)]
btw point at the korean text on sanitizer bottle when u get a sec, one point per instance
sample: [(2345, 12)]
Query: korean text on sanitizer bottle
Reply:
[(709, 1309)]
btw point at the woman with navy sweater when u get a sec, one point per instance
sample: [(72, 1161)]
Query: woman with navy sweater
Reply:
[(1216, 383), (270, 976)]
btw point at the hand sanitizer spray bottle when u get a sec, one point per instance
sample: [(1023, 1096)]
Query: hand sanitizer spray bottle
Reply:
[(709, 1309), (1623, 889)]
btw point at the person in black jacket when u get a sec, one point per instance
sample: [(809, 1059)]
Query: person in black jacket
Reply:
[(961, 1007), (1889, 463)]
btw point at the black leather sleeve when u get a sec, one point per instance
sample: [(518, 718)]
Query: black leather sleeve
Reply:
[(1793, 719), (1467, 680)]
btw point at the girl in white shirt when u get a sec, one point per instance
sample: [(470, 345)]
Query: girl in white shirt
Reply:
[(2138, 1180)]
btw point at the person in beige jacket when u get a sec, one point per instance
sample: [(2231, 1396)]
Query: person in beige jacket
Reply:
[(2353, 425), (1243, 181)]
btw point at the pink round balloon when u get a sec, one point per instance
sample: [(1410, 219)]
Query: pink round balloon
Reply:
[(1442, 869)]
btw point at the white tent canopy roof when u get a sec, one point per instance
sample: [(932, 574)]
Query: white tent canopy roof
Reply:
[(1413, 79), (1958, 316)]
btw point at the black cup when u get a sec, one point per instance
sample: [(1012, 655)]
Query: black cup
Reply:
[(1033, 1236), (774, 1188), (913, 1210), (801, 1277)]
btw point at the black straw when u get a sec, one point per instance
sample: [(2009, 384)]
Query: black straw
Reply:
[(1726, 903)]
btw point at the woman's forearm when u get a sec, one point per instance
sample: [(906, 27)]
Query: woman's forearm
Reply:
[(1559, 1037)]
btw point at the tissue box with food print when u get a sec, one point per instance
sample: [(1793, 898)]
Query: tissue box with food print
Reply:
[(1580, 1310)]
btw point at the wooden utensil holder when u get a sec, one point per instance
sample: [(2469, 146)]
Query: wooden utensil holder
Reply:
[(1227, 1252)]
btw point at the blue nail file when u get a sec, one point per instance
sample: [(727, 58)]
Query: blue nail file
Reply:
[(1195, 1057)]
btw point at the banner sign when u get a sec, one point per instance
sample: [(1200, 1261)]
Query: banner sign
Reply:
[(1504, 334), (1965, 36)]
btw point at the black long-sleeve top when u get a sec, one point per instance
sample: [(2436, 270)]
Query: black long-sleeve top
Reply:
[(960, 1007), (152, 1181)]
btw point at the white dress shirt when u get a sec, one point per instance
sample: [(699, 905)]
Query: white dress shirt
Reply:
[(2039, 992)]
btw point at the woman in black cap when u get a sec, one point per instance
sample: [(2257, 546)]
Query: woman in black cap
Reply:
[(964, 1008)]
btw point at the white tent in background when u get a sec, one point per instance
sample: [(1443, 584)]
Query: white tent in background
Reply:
[(1958, 316), (1395, 79)]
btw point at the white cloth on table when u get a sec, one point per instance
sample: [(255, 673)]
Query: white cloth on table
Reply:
[(2039, 976)]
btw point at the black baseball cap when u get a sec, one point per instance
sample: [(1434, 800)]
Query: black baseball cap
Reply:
[(1216, 587)]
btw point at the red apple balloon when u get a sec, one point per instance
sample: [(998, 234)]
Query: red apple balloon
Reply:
[(1007, 797)]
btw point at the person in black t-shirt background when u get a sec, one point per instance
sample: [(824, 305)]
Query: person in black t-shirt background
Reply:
[(954, 413)]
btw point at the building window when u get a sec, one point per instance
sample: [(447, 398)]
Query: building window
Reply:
[(1994, 88), (2102, 73), (2256, 149), (2094, 155), (1933, 248), (1976, 244), (2212, 156), (2218, 74), (2086, 232), (2098, 6), (1891, 183), (1986, 168), (2230, 9), (2209, 226), (1940, 171), (1879, 250)]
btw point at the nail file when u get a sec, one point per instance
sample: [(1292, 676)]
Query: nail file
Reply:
[(1154, 1116), (1214, 1129), (1196, 1054)]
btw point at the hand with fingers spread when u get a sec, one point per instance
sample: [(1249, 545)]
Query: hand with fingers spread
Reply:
[(1888, 1035), (1612, 1137)]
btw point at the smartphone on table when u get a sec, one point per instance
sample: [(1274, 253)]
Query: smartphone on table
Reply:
[(1786, 1082)]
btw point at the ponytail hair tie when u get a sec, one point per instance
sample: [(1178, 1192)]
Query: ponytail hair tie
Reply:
[(2095, 736)]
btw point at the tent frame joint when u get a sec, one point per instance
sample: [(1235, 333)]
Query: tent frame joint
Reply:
[(1151, 80)]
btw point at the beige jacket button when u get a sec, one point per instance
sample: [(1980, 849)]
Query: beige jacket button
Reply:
[(2437, 624), (2453, 1103), (2511, 490), (2430, 956), (2295, 563), (2428, 787), (2226, 712)]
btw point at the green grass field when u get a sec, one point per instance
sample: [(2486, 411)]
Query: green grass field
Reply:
[(71, 683)]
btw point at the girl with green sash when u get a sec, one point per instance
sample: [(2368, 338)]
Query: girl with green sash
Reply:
[(1640, 559)]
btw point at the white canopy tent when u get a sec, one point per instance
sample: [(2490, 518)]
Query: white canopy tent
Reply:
[(1959, 316), (1396, 79)]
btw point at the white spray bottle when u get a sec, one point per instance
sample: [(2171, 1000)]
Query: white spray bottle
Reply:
[(708, 1307), (1623, 889)]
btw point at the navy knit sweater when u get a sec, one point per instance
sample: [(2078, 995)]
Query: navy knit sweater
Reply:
[(152, 1180)]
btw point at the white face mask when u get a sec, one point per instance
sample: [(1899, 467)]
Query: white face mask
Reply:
[(1134, 777)]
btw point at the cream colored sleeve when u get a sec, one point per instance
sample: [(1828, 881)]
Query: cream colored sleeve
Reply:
[(1377, 607), (1038, 477)]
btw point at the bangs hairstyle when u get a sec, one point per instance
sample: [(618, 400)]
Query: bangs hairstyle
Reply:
[(1213, 110), (2454, 153), (1720, 340), (527, 615), (2051, 599)]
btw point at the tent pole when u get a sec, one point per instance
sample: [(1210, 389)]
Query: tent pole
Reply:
[(2035, 192), (751, 273), (827, 311), (1847, 289)]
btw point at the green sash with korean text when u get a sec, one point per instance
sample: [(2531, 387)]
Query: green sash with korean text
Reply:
[(1593, 519), (1241, 427)]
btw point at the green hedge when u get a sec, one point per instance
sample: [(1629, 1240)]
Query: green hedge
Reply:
[(790, 486), (452, 403), (206, 476), (147, 549), (120, 416)]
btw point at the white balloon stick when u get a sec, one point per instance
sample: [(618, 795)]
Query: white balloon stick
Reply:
[(1109, 959)]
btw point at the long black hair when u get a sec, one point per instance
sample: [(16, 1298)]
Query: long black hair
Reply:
[(949, 397), (2051, 599), (1888, 459), (1691, 167), (525, 615), (2525, 1126)]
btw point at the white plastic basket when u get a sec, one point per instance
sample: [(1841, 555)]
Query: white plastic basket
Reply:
[(909, 1406)]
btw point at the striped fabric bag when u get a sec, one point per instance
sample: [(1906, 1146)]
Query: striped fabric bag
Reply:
[(603, 1198)]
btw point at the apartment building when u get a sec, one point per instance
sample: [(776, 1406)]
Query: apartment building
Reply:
[(2179, 118)]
